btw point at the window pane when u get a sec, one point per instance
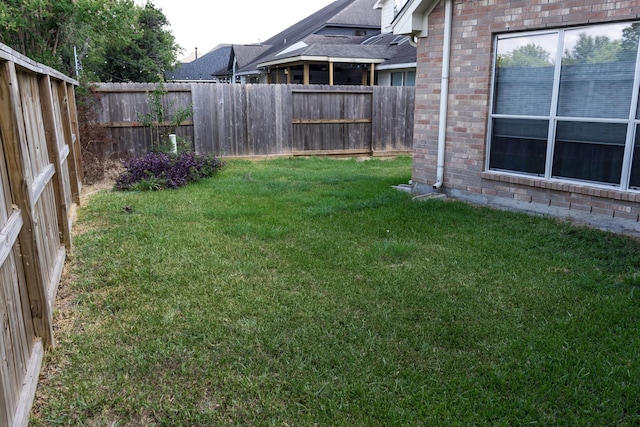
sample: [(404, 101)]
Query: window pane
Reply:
[(396, 79), (597, 74), (589, 151), (519, 145), (524, 75), (635, 165), (411, 78)]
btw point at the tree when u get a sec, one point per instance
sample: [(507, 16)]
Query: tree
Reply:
[(629, 44), (38, 28), (99, 24), (530, 55), (592, 50), (146, 55), (114, 39)]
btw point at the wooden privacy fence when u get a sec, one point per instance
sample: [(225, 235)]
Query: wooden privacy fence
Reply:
[(40, 182), (266, 120)]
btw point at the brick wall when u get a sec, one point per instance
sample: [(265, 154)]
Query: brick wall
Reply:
[(475, 22)]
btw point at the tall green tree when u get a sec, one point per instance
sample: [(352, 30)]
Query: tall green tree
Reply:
[(530, 55), (592, 50), (146, 55), (629, 44), (115, 40), (39, 29)]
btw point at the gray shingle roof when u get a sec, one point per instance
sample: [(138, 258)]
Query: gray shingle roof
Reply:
[(357, 13), (316, 32), (400, 51), (350, 13), (204, 67), (341, 51)]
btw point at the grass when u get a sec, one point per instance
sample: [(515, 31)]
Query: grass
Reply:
[(309, 292)]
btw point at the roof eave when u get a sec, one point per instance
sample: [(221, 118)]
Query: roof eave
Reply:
[(413, 19), (403, 66), (311, 58)]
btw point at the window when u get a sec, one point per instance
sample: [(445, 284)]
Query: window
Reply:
[(406, 78), (565, 105)]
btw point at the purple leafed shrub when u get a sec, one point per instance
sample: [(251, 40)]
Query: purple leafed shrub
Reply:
[(156, 171)]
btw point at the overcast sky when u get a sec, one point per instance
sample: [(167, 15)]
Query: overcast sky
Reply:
[(205, 24)]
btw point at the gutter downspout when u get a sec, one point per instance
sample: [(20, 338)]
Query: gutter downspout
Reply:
[(444, 93)]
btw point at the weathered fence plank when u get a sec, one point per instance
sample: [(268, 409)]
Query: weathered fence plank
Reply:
[(393, 116), (330, 120), (268, 120), (71, 134)]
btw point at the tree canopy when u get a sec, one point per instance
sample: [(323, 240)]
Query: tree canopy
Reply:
[(530, 55), (591, 49), (115, 40)]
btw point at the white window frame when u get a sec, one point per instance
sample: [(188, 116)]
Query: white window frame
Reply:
[(632, 122)]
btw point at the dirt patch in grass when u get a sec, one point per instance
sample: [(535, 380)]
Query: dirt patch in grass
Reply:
[(114, 169)]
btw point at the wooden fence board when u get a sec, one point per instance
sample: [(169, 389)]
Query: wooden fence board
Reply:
[(72, 135), (203, 117), (52, 121), (327, 121), (269, 120), (393, 118), (20, 171)]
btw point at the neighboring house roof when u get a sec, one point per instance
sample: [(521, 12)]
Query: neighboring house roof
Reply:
[(340, 31), (400, 51), (204, 67), (339, 14), (337, 53), (245, 54), (360, 12)]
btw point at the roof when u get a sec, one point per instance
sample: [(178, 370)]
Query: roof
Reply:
[(342, 30), (400, 50), (204, 67), (389, 49), (339, 14), (360, 12), (335, 53), (247, 53)]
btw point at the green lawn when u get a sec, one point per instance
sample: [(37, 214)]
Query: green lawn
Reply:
[(297, 292)]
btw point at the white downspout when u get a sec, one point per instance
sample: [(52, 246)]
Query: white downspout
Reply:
[(444, 93)]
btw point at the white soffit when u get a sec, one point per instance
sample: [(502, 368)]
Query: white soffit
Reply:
[(413, 19)]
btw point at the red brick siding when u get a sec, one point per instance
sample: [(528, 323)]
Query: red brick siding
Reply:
[(475, 22)]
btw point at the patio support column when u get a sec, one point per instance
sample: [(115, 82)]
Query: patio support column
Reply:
[(372, 75), (288, 75), (330, 73), (306, 73)]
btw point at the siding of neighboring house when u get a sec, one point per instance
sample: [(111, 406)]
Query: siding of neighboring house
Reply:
[(475, 25)]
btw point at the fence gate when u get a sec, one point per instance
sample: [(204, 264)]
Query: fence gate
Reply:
[(332, 121)]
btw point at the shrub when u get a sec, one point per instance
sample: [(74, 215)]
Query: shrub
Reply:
[(95, 140), (157, 171)]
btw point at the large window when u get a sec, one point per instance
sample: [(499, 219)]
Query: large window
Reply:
[(565, 105)]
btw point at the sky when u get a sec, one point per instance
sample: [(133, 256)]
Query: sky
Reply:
[(205, 24)]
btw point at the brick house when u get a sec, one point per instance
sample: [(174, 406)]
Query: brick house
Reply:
[(539, 105)]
